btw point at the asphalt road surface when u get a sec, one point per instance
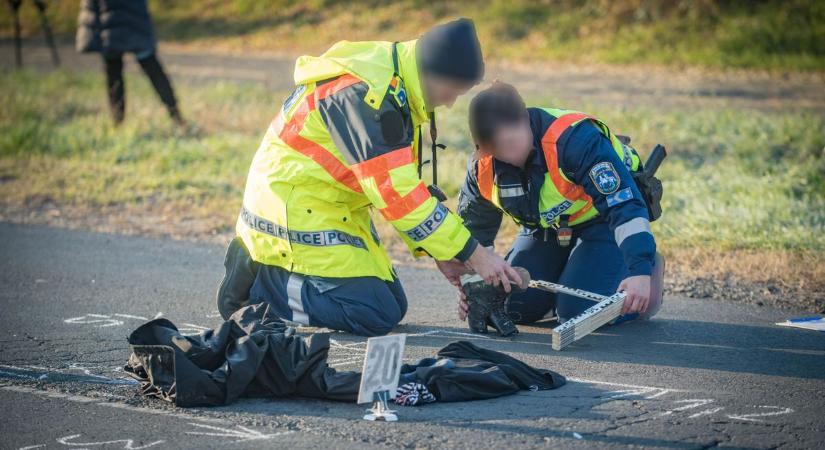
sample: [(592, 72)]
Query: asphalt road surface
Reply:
[(701, 374)]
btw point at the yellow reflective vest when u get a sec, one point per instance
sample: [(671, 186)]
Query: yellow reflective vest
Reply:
[(307, 209)]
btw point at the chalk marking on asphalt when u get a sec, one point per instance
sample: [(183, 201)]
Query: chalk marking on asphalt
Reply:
[(457, 333), (753, 417), (108, 320), (129, 316), (70, 397), (630, 392), (31, 447), (157, 412), (351, 346), (191, 328), (662, 392), (693, 403), (706, 412), (92, 319), (355, 351), (631, 386), (128, 444), (86, 371), (243, 433), (89, 400), (339, 362), (29, 374)]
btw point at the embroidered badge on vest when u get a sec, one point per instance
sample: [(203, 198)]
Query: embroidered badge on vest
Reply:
[(400, 95), (605, 178)]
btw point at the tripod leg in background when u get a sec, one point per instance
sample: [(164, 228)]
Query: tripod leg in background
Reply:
[(47, 31), (18, 51)]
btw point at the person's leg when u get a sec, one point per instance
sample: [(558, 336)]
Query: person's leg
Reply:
[(545, 260), (152, 68), (241, 270), (114, 86), (366, 306), (596, 264)]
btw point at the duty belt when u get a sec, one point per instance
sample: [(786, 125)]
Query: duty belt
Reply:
[(313, 238)]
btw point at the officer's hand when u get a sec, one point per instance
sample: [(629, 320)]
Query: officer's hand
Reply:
[(637, 290), (463, 306), (492, 268), (452, 270)]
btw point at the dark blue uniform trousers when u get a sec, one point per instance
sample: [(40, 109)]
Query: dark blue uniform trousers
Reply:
[(592, 262), (366, 306)]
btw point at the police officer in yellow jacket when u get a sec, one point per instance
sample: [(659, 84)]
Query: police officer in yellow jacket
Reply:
[(345, 143)]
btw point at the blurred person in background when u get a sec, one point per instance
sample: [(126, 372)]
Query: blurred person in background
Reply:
[(342, 144), (115, 27)]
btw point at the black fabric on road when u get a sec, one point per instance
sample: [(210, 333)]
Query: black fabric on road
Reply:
[(254, 354), (248, 355)]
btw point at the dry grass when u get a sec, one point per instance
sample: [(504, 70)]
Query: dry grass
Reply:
[(782, 35), (790, 269)]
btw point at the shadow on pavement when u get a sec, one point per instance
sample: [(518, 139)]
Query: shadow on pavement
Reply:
[(571, 401), (739, 348)]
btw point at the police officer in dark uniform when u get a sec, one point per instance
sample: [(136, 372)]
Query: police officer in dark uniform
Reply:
[(568, 181)]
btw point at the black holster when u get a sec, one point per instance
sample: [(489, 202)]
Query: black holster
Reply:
[(651, 189)]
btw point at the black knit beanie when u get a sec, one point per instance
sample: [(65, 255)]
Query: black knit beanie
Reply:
[(452, 50)]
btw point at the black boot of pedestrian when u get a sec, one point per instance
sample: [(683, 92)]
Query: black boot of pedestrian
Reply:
[(486, 306), (241, 270)]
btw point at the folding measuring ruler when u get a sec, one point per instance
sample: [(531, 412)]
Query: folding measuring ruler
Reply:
[(607, 309)]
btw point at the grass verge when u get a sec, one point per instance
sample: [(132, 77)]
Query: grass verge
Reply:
[(782, 35)]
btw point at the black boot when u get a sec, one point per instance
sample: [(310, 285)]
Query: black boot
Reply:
[(241, 270), (487, 306)]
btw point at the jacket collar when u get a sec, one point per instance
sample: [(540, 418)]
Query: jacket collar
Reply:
[(372, 63)]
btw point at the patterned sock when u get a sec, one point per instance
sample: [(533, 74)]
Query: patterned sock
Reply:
[(413, 394)]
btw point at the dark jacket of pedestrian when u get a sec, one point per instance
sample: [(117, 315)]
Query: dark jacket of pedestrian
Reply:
[(115, 27)]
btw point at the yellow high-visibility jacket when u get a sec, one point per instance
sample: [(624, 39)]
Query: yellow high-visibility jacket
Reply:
[(343, 143)]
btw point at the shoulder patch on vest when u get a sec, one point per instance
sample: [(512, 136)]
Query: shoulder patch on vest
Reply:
[(400, 95), (619, 197), (605, 177)]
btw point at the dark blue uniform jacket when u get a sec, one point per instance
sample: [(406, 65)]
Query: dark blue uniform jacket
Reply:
[(583, 150)]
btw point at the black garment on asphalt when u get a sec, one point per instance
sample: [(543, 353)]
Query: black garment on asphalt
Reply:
[(464, 371), (254, 354)]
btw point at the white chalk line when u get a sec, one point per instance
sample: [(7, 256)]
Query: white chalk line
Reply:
[(77, 398), (47, 371), (241, 432), (128, 444)]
